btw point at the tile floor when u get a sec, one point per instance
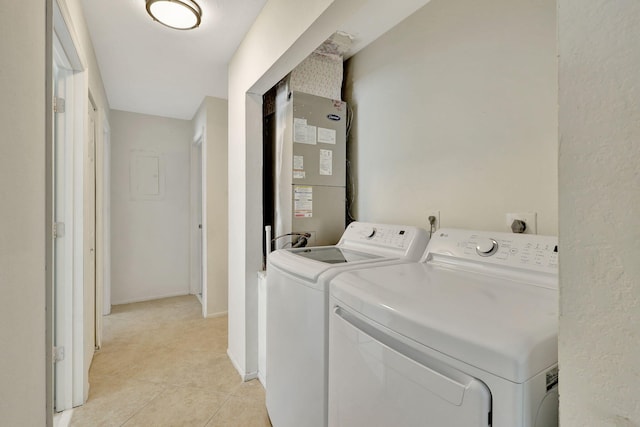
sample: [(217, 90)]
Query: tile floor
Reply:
[(162, 364)]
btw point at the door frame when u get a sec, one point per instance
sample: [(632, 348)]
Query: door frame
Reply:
[(90, 227), (62, 212), (103, 233), (72, 374)]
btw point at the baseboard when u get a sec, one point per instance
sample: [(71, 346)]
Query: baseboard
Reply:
[(62, 419), (244, 375), (251, 376), (150, 298), (219, 314)]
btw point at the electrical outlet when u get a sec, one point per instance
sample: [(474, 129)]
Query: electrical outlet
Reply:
[(436, 215), (529, 218)]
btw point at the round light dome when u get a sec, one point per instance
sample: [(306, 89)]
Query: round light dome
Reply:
[(177, 14)]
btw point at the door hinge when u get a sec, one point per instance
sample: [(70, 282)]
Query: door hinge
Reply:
[(58, 354), (58, 229), (58, 105)]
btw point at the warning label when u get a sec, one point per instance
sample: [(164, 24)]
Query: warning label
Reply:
[(302, 201)]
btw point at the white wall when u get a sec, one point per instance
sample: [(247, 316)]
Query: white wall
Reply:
[(96, 86), (456, 111), (212, 119), (149, 236), (269, 51), (22, 203), (599, 77), (22, 209)]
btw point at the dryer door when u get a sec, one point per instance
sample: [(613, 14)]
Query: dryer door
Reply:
[(378, 379)]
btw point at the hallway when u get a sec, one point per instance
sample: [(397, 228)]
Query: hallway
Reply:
[(162, 364)]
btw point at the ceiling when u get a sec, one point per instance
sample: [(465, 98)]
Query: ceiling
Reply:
[(151, 69)]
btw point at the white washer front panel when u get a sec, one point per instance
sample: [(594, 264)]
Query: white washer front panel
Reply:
[(296, 360), (376, 381)]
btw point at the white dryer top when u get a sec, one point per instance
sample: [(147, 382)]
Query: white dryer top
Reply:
[(499, 316)]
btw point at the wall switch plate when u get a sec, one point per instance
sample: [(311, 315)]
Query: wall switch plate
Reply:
[(435, 214), (529, 218)]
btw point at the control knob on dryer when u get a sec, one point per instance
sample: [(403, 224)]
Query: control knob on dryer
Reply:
[(486, 247)]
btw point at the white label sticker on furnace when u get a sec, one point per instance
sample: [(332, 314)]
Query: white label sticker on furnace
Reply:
[(311, 135), (326, 136), (298, 163), (299, 174), (302, 202), (300, 130), (302, 133), (326, 162)]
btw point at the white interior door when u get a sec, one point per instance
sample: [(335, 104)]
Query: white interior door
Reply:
[(199, 216), (196, 220), (90, 237), (63, 222), (69, 146)]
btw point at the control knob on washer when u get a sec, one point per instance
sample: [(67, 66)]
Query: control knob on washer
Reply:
[(486, 247), (369, 232)]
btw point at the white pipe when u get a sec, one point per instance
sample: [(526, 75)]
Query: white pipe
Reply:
[(267, 240)]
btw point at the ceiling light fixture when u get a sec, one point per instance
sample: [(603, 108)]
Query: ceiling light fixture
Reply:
[(176, 14)]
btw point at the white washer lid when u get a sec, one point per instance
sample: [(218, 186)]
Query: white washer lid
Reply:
[(361, 243), (310, 263), (504, 327)]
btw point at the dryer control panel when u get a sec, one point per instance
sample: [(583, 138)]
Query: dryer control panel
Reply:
[(529, 252)]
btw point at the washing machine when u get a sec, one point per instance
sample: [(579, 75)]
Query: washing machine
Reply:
[(297, 314), (465, 338)]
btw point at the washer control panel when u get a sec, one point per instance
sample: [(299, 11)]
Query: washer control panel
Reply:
[(394, 241), (523, 251), (396, 236)]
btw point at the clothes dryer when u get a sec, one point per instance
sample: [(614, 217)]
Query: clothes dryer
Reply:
[(465, 338), (297, 314)]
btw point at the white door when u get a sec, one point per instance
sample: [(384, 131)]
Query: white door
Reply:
[(63, 236), (69, 80), (196, 220), (90, 237), (376, 379), (199, 216)]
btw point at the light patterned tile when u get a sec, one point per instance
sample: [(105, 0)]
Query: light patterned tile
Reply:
[(112, 401), (252, 390), (179, 406), (163, 364), (241, 411)]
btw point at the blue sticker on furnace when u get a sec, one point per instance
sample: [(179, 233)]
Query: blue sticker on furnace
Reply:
[(334, 117)]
